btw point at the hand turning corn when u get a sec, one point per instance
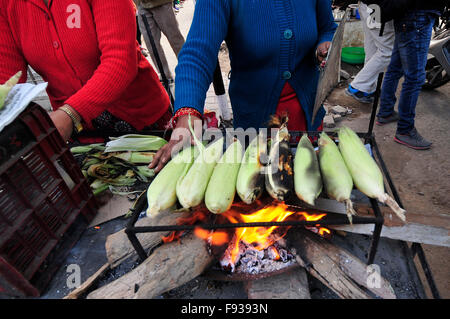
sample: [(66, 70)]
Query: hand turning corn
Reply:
[(307, 178), (222, 185), (364, 170), (336, 178), (6, 88)]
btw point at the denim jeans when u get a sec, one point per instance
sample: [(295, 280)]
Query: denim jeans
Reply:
[(409, 58)]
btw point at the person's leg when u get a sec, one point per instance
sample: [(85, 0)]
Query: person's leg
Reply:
[(156, 33), (390, 84), (414, 43), (167, 22), (378, 55), (369, 46), (415, 40)]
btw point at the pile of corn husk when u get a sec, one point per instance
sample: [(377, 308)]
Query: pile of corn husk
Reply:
[(121, 165)]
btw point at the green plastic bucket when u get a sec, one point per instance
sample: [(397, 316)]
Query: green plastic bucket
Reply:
[(353, 55)]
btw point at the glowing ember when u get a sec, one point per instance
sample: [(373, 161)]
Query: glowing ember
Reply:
[(273, 253), (323, 231), (261, 237)]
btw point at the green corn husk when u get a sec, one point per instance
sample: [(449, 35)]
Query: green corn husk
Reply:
[(135, 157), (113, 138), (144, 173), (307, 177), (250, 180), (80, 149), (98, 186), (161, 194), (279, 178), (87, 148), (191, 186), (221, 188), (7, 87), (89, 161), (111, 174), (364, 170), (136, 143), (336, 178)]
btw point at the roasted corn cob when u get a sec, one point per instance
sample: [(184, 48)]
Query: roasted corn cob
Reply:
[(161, 194), (336, 178), (364, 170), (221, 188), (250, 180), (191, 187), (280, 174), (307, 178)]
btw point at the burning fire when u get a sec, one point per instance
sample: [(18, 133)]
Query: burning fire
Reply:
[(259, 238)]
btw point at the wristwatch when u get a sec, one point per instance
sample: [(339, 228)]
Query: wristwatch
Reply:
[(77, 126)]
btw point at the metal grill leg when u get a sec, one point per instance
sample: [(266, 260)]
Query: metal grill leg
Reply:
[(417, 249), (374, 245), (137, 245)]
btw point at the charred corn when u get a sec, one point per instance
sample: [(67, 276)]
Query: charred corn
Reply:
[(250, 180), (221, 188), (336, 177), (307, 178), (364, 170), (279, 178)]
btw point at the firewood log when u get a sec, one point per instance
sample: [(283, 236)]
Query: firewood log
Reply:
[(119, 248), (292, 284), (338, 269), (78, 292), (169, 266)]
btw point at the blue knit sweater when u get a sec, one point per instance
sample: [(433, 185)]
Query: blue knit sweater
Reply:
[(269, 41)]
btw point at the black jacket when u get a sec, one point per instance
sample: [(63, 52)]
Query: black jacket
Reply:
[(394, 9)]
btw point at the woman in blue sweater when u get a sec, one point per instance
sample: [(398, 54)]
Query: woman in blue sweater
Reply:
[(274, 46)]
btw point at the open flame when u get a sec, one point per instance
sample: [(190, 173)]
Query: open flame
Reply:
[(259, 238)]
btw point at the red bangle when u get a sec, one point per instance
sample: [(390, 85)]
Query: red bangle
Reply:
[(184, 111)]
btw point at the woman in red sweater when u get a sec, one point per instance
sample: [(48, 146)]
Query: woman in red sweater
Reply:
[(87, 52)]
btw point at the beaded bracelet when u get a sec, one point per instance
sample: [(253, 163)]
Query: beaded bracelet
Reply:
[(184, 111)]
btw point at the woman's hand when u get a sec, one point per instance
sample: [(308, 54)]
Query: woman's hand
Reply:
[(322, 52), (181, 136), (63, 123)]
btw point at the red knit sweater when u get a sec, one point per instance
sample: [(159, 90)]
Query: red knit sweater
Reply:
[(87, 51)]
